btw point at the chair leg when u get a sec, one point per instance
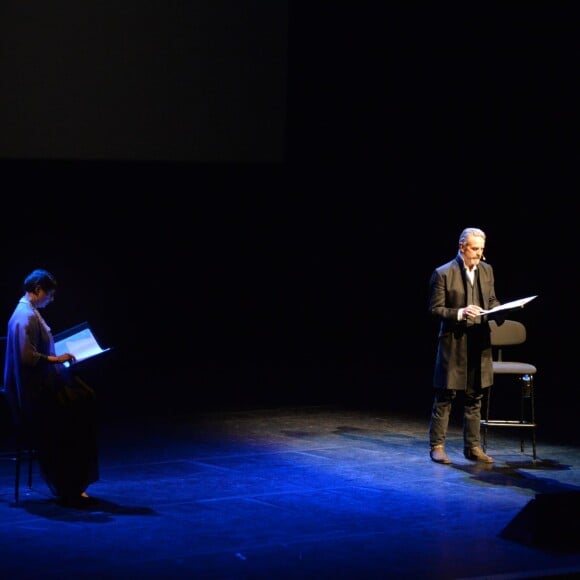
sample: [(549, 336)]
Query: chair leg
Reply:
[(527, 418), (533, 416), (523, 395), (18, 461), (527, 398), (484, 430), (31, 453), (19, 457)]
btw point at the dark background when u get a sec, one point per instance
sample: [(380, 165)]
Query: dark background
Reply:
[(246, 199)]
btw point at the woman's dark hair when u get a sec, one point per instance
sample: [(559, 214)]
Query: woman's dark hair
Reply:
[(40, 278)]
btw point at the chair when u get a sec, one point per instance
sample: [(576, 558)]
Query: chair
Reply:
[(14, 447), (508, 334)]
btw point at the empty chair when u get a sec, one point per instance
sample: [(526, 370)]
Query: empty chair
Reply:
[(503, 336)]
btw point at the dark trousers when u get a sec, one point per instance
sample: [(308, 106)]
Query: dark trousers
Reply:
[(441, 412), (64, 432)]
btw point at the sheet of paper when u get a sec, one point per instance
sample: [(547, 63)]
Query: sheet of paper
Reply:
[(82, 345), (510, 305)]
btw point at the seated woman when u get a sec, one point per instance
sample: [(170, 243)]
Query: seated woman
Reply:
[(53, 406)]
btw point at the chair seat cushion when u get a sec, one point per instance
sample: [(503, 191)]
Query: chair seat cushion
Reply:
[(513, 368)]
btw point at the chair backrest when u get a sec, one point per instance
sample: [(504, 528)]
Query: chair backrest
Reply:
[(508, 333)]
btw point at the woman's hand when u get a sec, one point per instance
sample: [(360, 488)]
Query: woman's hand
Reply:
[(65, 357)]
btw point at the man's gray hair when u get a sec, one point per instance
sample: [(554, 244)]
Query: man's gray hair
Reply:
[(468, 232)]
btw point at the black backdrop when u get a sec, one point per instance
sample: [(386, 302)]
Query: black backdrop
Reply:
[(305, 279)]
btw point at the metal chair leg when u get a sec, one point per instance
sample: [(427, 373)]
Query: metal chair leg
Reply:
[(31, 455), (18, 461), (484, 430), (533, 416)]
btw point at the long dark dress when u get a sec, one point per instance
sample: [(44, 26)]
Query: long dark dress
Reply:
[(54, 408)]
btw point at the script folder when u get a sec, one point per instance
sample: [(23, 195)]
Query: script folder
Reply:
[(79, 341)]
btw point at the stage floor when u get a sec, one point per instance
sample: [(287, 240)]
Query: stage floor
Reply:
[(300, 492)]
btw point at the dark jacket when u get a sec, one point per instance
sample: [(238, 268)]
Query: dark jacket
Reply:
[(28, 378), (447, 293)]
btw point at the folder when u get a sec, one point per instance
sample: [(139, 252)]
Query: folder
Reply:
[(80, 341)]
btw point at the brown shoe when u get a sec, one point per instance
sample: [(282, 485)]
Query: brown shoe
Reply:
[(477, 454), (438, 455)]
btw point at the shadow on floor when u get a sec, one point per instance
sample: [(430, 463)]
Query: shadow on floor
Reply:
[(300, 492)]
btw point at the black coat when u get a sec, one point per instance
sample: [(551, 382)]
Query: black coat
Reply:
[(447, 294)]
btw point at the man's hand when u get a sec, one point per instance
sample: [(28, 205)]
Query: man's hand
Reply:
[(471, 311)]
